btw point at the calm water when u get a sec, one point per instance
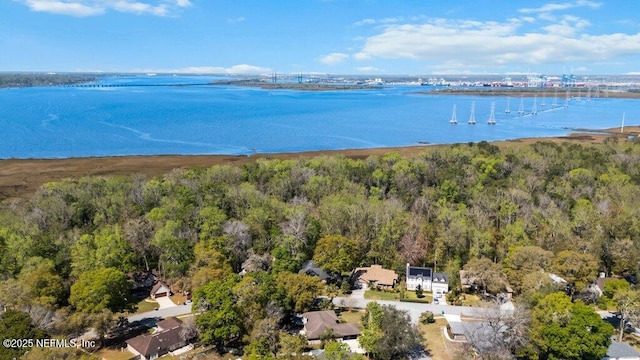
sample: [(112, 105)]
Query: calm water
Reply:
[(142, 120)]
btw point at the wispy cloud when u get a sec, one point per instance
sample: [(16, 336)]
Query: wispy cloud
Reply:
[(333, 58), (491, 45), (240, 69), (236, 20), (384, 21), (83, 8), (551, 7), (365, 22), (369, 70)]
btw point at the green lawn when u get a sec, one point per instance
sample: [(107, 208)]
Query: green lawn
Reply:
[(352, 317), (470, 300), (411, 295), (144, 306), (381, 295), (435, 342), (113, 354)]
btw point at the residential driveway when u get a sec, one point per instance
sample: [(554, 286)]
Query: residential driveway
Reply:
[(358, 293), (165, 302), (162, 313)]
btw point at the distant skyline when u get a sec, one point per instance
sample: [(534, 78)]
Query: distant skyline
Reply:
[(373, 37)]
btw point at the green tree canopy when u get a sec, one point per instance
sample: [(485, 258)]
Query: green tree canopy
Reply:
[(565, 330), (218, 320), (16, 325), (577, 268), (336, 253), (96, 290), (388, 332)]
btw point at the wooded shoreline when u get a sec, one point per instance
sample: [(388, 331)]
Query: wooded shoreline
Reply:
[(20, 178)]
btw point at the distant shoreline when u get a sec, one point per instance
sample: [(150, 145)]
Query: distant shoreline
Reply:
[(530, 92), (20, 178), (294, 85)]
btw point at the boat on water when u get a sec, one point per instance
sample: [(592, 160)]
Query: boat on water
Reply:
[(453, 120), (555, 99), (508, 110), (521, 108), (472, 117), (543, 103), (534, 108), (492, 116)]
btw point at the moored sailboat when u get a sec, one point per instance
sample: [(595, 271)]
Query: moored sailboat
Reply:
[(492, 116), (521, 108), (472, 117), (453, 120)]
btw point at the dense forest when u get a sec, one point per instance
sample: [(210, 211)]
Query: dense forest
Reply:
[(504, 213), (18, 79)]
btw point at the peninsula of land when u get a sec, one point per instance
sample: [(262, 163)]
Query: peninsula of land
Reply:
[(303, 86)]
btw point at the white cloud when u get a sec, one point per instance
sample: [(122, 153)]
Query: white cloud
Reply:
[(475, 44), (362, 56), (240, 69), (236, 20), (364, 22), (369, 70), (64, 8), (83, 8), (333, 58), (551, 7)]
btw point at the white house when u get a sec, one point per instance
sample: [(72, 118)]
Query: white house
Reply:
[(160, 290), (427, 279)]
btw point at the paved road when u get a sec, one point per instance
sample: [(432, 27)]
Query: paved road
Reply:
[(148, 318), (162, 313), (414, 309)]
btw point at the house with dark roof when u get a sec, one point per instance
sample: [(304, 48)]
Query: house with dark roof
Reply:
[(375, 275), (142, 279), (427, 279), (311, 269), (319, 323), (168, 337), (621, 351)]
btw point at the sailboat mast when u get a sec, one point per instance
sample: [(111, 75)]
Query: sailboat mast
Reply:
[(472, 117), (453, 120), (492, 116)]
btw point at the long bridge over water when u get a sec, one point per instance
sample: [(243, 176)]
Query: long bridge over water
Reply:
[(131, 85)]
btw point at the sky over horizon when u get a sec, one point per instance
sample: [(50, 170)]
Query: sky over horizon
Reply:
[(373, 37)]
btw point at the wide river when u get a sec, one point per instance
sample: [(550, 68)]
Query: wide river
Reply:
[(61, 122)]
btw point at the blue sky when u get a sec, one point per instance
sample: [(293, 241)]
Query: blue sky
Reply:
[(375, 37)]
